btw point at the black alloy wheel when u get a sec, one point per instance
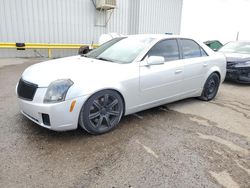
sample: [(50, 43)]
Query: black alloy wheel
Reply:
[(101, 112), (211, 87)]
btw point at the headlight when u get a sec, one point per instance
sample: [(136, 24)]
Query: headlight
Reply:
[(247, 63), (57, 91), (243, 64)]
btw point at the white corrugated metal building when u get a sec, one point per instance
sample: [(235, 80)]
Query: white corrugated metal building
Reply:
[(78, 21)]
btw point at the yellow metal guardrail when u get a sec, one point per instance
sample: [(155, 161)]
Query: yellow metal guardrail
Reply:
[(23, 46)]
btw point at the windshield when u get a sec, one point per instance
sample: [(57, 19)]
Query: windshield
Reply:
[(120, 50), (236, 47)]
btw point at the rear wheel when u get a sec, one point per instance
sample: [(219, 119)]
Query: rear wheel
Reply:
[(102, 112), (211, 87)]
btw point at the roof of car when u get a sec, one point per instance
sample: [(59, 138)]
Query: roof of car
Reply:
[(156, 36), (166, 36)]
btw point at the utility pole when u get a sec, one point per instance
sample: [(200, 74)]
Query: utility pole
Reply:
[(238, 33)]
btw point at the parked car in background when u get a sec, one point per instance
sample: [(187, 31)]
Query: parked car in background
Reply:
[(215, 45), (123, 76), (238, 61)]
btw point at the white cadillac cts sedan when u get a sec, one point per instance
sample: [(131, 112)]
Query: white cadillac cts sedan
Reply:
[(121, 77)]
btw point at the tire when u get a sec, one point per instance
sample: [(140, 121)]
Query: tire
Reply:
[(210, 88), (102, 112)]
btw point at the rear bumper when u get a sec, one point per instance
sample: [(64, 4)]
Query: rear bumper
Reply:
[(60, 117), (238, 75)]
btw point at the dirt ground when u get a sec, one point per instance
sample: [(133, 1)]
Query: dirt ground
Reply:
[(184, 144)]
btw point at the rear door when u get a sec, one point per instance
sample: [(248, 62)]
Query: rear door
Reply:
[(195, 65)]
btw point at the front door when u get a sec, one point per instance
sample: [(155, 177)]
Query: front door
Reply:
[(164, 81)]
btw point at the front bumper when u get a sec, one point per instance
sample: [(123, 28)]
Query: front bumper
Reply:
[(60, 117), (238, 74)]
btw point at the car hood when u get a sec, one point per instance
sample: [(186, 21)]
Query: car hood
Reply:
[(76, 68), (237, 57)]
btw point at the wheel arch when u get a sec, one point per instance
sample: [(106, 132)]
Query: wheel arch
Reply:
[(212, 70)]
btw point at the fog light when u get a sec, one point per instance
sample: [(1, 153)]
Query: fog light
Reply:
[(46, 120)]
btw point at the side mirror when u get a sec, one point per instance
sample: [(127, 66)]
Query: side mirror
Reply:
[(155, 60), (83, 50)]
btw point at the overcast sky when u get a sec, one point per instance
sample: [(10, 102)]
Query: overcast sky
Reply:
[(216, 19)]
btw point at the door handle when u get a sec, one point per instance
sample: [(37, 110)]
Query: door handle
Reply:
[(205, 65), (178, 71)]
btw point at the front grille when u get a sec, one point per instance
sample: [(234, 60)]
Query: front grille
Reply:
[(26, 90)]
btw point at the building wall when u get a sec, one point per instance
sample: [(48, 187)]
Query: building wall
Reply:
[(160, 16), (77, 21), (134, 17)]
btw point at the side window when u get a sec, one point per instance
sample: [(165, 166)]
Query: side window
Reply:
[(203, 53), (167, 48), (191, 49)]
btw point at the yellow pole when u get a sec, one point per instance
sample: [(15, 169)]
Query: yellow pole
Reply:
[(49, 53)]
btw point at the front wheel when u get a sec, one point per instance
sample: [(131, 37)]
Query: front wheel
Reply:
[(211, 87), (102, 112)]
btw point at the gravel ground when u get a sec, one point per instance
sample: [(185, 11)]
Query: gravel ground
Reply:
[(189, 143)]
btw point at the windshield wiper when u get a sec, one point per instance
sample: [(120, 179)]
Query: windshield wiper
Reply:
[(104, 59)]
